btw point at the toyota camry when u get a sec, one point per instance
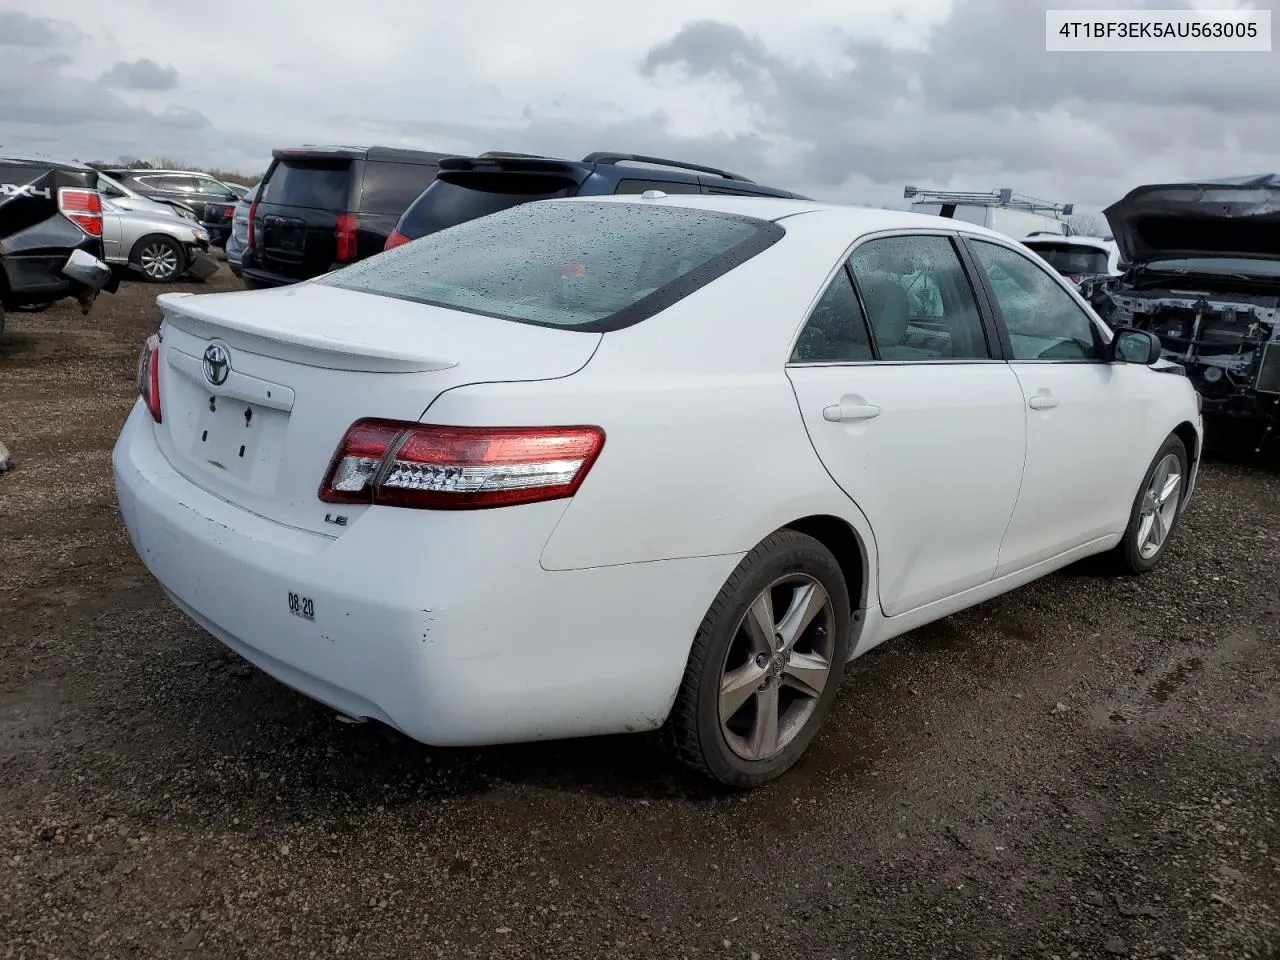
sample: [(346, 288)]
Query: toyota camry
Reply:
[(644, 463)]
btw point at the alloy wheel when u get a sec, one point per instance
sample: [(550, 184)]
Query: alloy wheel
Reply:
[(159, 261), (1159, 506), (777, 666)]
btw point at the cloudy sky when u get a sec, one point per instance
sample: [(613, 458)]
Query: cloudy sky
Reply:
[(837, 99)]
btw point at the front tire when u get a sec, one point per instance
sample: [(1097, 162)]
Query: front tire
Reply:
[(158, 259), (1156, 510), (765, 664)]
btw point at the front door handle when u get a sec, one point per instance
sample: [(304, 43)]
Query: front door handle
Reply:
[(1042, 401), (852, 409)]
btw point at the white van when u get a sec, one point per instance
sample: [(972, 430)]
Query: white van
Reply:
[(1001, 210)]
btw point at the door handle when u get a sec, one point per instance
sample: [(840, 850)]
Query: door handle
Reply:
[(1042, 401), (848, 410)]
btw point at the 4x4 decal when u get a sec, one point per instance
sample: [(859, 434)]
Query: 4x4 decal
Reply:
[(24, 190)]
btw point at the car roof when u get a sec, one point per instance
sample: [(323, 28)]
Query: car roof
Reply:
[(375, 153), (45, 161), (859, 219)]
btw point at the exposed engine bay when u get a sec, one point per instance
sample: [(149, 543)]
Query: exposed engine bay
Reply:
[(1201, 266), (1229, 345)]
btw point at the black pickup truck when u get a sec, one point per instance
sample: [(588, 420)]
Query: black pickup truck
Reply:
[(50, 234)]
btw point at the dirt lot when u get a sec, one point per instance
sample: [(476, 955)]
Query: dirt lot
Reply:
[(1088, 767)]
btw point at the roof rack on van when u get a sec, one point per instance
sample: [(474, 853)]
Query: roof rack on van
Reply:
[(604, 157), (1004, 197), (520, 156)]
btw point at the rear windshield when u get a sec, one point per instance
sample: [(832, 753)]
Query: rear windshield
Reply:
[(313, 183), (1070, 260), (447, 203), (590, 266)]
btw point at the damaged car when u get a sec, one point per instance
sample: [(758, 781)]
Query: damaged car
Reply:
[(51, 244), (1201, 271)]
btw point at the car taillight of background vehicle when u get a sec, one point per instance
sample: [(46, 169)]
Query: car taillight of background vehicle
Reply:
[(83, 208), (253, 213), (395, 240), (400, 464), (345, 230), (149, 375)]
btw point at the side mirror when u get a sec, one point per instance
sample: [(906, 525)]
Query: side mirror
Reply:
[(1130, 345)]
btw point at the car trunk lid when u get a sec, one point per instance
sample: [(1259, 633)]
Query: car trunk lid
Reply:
[(257, 389)]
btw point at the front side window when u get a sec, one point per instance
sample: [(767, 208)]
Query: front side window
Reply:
[(212, 188), (592, 266), (918, 299), (1043, 321)]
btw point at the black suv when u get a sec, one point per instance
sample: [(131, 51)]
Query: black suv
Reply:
[(471, 187), (210, 200), (320, 208), (50, 234)]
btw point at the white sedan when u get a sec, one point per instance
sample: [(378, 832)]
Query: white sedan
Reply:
[(639, 463)]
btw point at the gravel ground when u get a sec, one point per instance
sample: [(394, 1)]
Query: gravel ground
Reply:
[(1088, 767)]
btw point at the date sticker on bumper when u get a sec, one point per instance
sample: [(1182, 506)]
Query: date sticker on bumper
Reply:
[(303, 607)]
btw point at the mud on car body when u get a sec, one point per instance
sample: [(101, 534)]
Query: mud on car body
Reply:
[(50, 234), (1201, 270)]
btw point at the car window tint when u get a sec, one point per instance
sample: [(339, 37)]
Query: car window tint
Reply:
[(562, 264), (1043, 321), (448, 202), (918, 299), (179, 184), (317, 184), (666, 186), (389, 188), (1072, 260), (836, 331)]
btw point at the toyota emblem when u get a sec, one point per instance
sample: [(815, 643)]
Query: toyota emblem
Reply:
[(217, 364)]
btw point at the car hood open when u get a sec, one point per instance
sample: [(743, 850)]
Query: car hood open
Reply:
[(1230, 217)]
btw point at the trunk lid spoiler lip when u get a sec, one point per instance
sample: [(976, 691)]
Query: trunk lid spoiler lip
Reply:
[(298, 346)]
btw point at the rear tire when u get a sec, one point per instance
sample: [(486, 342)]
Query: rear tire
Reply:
[(1156, 510), (765, 664), (158, 259)]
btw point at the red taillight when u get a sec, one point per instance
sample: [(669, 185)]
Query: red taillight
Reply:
[(253, 213), (397, 464), (345, 230), (395, 240), (149, 375), (82, 207)]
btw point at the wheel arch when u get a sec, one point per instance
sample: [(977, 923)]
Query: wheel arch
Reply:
[(154, 235), (848, 547)]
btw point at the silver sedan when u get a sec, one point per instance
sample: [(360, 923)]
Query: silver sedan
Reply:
[(155, 246)]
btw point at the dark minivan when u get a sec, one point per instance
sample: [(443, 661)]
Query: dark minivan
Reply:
[(472, 187), (320, 208)]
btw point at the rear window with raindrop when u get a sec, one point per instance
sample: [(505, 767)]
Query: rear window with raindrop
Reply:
[(582, 265)]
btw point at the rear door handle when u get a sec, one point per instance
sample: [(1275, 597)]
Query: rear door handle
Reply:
[(1042, 402), (850, 410)]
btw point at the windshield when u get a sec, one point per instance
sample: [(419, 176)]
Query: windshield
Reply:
[(596, 266), (1071, 260)]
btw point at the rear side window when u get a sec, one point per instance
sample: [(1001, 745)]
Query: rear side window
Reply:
[(318, 184), (589, 266), (390, 187), (447, 203)]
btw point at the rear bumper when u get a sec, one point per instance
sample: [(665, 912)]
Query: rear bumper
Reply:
[(440, 624), (264, 278)]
